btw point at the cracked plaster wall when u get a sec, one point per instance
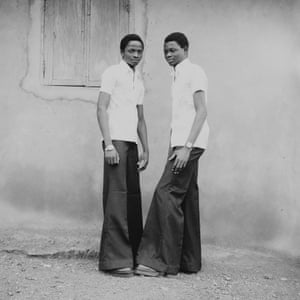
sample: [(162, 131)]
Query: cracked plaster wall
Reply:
[(249, 176), (50, 142), (51, 155)]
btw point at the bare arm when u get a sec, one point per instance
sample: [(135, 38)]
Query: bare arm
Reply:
[(112, 156), (201, 114), (182, 155), (142, 133)]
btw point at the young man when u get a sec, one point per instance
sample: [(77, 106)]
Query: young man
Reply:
[(171, 239), (121, 120)]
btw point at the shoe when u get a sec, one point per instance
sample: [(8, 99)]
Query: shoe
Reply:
[(147, 271), (121, 272)]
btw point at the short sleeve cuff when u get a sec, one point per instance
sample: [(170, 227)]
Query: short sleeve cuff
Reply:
[(199, 82), (140, 100), (107, 81)]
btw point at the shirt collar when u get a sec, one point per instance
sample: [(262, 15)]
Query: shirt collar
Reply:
[(182, 64), (126, 67), (177, 69)]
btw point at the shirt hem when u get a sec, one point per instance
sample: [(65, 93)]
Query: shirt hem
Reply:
[(124, 140)]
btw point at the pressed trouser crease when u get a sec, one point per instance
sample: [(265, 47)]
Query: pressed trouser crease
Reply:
[(171, 238), (122, 224)]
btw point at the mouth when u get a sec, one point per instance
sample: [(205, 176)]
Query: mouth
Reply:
[(135, 61)]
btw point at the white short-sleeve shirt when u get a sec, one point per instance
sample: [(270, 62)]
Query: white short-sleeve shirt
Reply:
[(126, 89), (187, 79)]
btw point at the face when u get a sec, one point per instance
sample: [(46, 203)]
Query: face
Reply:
[(174, 54), (133, 53)]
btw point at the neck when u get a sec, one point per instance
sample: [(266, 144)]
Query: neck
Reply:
[(179, 63), (129, 65), (132, 67)]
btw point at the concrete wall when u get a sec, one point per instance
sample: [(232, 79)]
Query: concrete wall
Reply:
[(50, 144)]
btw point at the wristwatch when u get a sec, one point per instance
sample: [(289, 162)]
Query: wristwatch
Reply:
[(109, 147), (188, 145)]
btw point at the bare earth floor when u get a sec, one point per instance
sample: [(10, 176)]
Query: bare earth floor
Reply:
[(38, 262)]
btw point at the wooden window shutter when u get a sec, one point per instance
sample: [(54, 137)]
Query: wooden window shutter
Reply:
[(108, 23), (81, 38), (64, 46)]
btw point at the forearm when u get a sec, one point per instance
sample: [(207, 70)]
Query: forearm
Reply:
[(142, 133), (197, 126), (102, 117)]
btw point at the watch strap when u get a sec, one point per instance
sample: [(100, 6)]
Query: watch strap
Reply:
[(109, 147), (188, 145)]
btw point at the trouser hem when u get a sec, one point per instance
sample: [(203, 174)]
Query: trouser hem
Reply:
[(116, 264), (154, 264), (190, 268), (158, 266)]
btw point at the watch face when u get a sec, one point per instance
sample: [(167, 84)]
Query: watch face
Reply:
[(189, 145), (109, 147)]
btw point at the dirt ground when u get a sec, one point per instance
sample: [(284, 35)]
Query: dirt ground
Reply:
[(39, 261)]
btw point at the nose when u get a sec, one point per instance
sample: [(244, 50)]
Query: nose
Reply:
[(135, 54), (168, 55)]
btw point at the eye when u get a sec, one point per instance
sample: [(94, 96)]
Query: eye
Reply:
[(170, 50)]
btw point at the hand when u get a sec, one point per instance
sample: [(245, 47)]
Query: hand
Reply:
[(143, 161), (112, 157), (181, 157)]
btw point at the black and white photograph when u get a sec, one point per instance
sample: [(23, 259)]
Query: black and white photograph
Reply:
[(149, 149)]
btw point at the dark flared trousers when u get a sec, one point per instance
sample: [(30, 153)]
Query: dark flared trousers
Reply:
[(171, 239), (122, 224)]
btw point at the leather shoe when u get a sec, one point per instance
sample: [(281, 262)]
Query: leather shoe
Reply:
[(147, 271), (121, 272)]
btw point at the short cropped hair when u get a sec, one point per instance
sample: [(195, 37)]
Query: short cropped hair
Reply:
[(128, 38), (179, 38)]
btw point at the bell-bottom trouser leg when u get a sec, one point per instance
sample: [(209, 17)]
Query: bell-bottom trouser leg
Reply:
[(122, 224), (171, 238)]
